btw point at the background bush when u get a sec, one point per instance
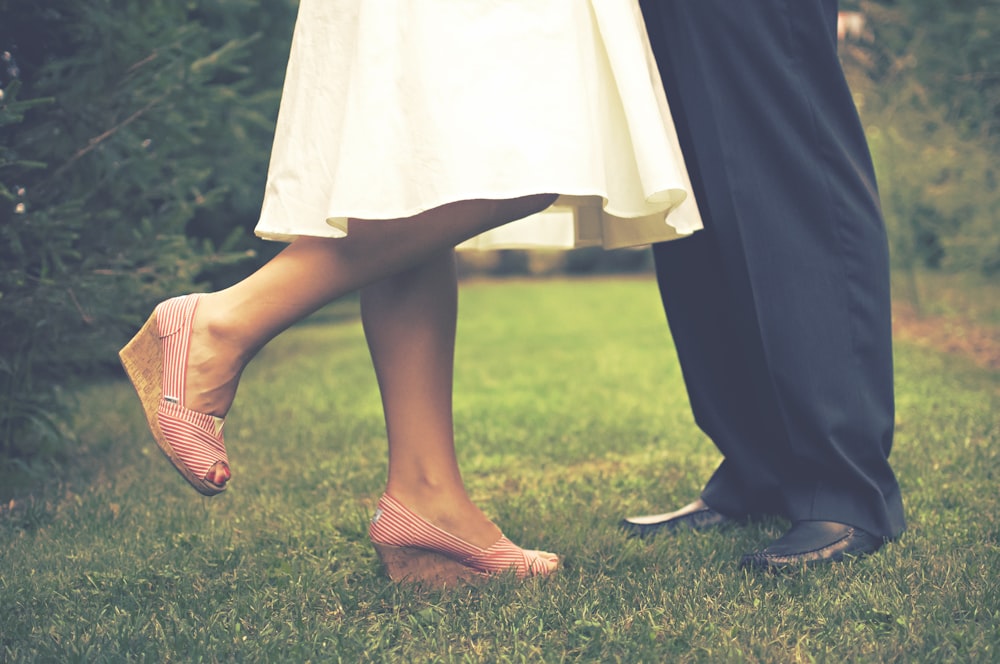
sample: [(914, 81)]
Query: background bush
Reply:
[(134, 137), (926, 74)]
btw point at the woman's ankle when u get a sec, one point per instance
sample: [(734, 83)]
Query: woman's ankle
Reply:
[(214, 365), (448, 509)]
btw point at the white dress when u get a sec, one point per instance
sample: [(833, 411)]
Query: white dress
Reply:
[(394, 107)]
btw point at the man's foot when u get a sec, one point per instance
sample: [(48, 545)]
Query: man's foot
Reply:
[(809, 542), (696, 516)]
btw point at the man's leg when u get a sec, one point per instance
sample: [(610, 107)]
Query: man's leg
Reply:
[(796, 239)]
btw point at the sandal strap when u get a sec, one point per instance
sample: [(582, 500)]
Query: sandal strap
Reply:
[(195, 438)]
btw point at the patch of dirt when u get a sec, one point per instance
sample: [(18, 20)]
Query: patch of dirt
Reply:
[(978, 342)]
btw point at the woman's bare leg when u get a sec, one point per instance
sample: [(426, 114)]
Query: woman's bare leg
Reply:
[(409, 321), (230, 326)]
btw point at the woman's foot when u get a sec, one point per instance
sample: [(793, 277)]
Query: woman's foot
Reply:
[(445, 503), (157, 362), (213, 367), (413, 549)]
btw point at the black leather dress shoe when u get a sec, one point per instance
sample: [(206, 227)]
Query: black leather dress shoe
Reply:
[(696, 516), (810, 542)]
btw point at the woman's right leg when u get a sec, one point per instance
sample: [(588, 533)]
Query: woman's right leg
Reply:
[(232, 325)]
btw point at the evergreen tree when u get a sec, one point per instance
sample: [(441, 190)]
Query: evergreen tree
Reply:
[(155, 113), (927, 76)]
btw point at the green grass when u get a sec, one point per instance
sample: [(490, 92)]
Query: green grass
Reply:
[(570, 413)]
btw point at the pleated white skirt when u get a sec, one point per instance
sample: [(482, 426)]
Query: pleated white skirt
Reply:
[(393, 107)]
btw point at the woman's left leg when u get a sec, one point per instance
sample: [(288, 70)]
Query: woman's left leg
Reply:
[(409, 321)]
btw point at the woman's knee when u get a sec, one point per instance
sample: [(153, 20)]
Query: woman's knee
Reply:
[(517, 208)]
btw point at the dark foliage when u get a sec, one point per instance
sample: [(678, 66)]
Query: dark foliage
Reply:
[(123, 125), (927, 76)]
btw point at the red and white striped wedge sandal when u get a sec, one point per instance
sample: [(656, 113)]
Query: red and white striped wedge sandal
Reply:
[(156, 363), (413, 550)]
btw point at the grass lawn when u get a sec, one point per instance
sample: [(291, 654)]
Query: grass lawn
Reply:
[(570, 413)]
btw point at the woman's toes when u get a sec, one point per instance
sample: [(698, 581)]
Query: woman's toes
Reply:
[(219, 474)]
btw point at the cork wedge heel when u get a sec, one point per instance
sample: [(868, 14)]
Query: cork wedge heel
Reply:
[(407, 564)]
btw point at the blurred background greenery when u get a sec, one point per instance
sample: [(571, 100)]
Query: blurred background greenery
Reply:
[(134, 139)]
